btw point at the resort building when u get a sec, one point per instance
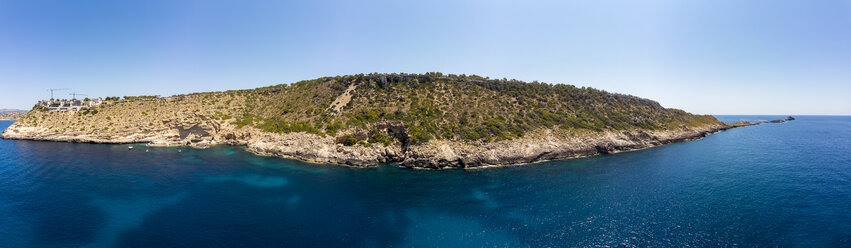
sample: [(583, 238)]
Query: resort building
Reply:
[(70, 105)]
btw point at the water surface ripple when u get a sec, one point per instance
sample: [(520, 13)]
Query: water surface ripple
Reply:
[(786, 184)]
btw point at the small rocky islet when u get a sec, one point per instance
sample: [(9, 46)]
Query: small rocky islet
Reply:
[(788, 118), (427, 120)]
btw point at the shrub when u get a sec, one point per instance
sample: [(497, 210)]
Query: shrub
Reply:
[(419, 134), (376, 136), (350, 140), (333, 127)]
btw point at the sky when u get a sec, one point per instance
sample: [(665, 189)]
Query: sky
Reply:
[(705, 57)]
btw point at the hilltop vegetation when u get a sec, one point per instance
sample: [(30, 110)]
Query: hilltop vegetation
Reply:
[(418, 120), (453, 107), (391, 109)]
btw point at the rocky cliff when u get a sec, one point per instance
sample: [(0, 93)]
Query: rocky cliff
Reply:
[(421, 121)]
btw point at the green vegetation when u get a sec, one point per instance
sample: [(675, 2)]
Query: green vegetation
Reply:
[(140, 97), (376, 136), (408, 108), (349, 140), (40, 108), (333, 127), (456, 107)]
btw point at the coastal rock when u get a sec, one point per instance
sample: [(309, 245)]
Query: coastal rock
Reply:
[(539, 146), (741, 124), (428, 121)]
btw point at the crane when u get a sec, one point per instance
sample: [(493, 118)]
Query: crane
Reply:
[(52, 90), (74, 95)]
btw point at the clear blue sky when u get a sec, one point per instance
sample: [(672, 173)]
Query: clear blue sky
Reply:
[(710, 57)]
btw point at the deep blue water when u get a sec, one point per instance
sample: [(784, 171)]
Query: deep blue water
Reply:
[(786, 184)]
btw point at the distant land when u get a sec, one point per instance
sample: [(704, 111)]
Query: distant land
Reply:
[(11, 114), (427, 120)]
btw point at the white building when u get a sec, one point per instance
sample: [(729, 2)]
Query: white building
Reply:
[(69, 105)]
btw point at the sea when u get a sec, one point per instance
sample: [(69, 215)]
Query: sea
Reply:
[(776, 184)]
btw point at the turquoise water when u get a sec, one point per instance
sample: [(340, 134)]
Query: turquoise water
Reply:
[(786, 184)]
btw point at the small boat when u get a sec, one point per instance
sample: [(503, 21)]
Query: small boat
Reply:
[(146, 150), (178, 150), (130, 148)]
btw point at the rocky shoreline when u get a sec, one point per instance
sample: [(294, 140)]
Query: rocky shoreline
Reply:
[(541, 145)]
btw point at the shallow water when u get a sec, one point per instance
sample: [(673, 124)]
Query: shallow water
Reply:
[(786, 184)]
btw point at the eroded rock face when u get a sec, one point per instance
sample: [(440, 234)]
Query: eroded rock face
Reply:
[(311, 147), (197, 134), (446, 154), (437, 154)]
